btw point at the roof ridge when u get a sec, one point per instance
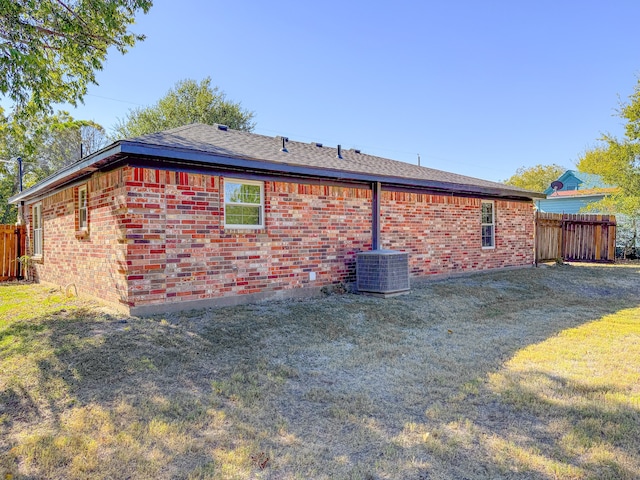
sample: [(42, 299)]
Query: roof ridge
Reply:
[(352, 151)]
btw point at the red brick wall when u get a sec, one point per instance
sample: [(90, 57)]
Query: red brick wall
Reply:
[(94, 260), (179, 249), (158, 236), (442, 233)]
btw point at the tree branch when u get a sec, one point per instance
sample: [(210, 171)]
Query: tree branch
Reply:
[(48, 31), (66, 7)]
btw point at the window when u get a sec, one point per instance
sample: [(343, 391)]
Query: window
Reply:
[(83, 212), (488, 225), (243, 204), (37, 229)]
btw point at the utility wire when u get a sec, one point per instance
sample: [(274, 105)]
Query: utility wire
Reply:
[(114, 99)]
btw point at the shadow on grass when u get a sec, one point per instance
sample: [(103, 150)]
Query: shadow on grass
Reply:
[(342, 387)]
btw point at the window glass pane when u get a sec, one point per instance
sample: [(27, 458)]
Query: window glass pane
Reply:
[(241, 193), (243, 203), (82, 208), (487, 213), (37, 229), (242, 215), (487, 235)]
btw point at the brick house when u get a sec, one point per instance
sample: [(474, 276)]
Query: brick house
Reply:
[(204, 215)]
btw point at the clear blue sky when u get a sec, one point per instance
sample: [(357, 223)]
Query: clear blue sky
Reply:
[(475, 87)]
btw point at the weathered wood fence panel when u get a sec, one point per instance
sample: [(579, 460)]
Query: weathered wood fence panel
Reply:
[(548, 236), (12, 245), (575, 237)]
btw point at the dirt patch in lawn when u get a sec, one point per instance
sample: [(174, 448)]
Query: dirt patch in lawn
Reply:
[(521, 374)]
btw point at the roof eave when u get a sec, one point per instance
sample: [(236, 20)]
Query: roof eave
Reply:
[(134, 148), (69, 173), (125, 147)]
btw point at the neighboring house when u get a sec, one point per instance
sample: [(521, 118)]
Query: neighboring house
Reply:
[(204, 215), (577, 190)]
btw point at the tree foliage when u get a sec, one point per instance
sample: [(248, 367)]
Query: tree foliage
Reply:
[(188, 102), (51, 49), (617, 161), (46, 143), (537, 178), (65, 141)]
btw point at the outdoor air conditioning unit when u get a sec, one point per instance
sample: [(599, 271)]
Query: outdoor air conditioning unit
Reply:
[(382, 272)]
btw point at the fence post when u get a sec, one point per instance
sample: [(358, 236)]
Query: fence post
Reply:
[(536, 234)]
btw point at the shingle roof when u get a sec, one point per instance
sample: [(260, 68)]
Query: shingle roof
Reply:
[(245, 145), (215, 147)]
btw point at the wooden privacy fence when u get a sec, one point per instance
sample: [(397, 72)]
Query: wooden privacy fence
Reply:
[(575, 237), (12, 245)]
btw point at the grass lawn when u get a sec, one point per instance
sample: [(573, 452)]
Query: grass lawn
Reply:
[(522, 374)]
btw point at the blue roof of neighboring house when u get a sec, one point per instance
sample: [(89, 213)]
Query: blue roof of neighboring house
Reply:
[(575, 180)]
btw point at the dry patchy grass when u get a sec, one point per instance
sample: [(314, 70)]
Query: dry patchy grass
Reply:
[(521, 374)]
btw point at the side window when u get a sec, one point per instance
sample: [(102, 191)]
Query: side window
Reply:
[(488, 225), (37, 230), (83, 209), (243, 203)]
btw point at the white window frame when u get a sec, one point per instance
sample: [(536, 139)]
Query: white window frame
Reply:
[(83, 221), (38, 236), (260, 205), (491, 224)]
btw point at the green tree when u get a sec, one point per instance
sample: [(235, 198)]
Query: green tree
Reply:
[(46, 143), (617, 161), (188, 102), (11, 147), (537, 178), (51, 49), (8, 182), (64, 141)]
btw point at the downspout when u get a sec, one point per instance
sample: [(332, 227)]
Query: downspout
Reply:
[(19, 275), (21, 204), (376, 188)]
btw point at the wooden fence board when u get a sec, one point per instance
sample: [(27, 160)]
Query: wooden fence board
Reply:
[(575, 237), (10, 250)]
